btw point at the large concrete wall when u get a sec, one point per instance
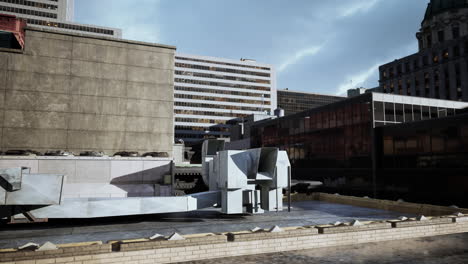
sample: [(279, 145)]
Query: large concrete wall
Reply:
[(75, 92)]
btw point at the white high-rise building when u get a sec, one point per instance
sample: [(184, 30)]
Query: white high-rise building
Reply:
[(55, 14), (210, 91)]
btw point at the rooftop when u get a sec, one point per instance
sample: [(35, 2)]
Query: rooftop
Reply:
[(208, 221), (66, 33)]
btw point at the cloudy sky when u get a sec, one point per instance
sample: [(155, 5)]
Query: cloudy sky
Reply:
[(316, 45)]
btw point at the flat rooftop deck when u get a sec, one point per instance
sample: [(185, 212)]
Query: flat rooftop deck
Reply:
[(120, 228)]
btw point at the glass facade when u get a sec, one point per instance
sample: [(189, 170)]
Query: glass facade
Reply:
[(342, 144), (325, 142), (424, 161)]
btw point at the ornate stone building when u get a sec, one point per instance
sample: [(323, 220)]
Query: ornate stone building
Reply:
[(440, 68)]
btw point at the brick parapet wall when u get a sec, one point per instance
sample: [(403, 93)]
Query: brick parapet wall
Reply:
[(396, 206), (254, 243)]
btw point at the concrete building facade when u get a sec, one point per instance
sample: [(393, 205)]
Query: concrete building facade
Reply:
[(55, 14), (440, 68), (295, 101), (73, 92), (210, 91)]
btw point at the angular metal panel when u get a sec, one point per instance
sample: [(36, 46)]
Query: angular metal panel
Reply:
[(37, 189), (108, 207), (10, 179)]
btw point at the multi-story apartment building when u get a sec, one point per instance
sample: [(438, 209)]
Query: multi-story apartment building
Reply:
[(53, 14), (210, 91), (440, 68), (294, 101)]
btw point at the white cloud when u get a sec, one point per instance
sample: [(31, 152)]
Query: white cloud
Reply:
[(356, 7), (298, 56), (358, 79)]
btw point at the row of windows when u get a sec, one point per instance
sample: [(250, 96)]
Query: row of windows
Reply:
[(223, 63), (71, 27), (336, 118), (195, 136), (222, 77), (220, 99), (211, 68), (436, 79), (441, 35), (199, 120), (229, 107), (203, 90), (248, 87), (27, 12), (436, 57), (31, 3), (309, 101), (202, 129), (208, 113), (400, 113)]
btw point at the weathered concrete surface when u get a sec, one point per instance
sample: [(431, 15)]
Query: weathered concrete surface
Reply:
[(72, 92), (428, 250)]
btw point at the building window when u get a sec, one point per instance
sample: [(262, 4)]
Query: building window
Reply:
[(429, 41), (426, 84), (456, 51), (447, 84), (416, 112), (441, 36), (400, 86), (434, 113), (417, 88), (389, 112), (408, 87), (435, 58), (379, 111), (407, 67), (399, 113), (408, 109), (425, 61), (445, 54), (458, 81), (425, 112), (455, 31)]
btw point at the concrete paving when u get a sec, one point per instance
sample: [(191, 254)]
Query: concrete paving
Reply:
[(430, 250), (208, 221)]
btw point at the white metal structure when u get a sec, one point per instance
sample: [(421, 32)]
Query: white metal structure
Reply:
[(210, 91), (253, 179), (56, 14)]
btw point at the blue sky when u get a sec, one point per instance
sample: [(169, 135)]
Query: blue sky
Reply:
[(322, 46)]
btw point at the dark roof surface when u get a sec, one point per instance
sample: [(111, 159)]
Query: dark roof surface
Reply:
[(439, 6)]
